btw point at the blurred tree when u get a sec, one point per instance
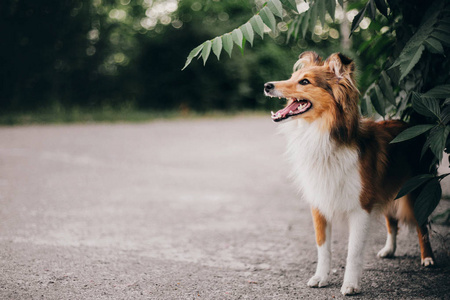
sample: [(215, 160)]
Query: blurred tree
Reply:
[(36, 54), (122, 53), (230, 86)]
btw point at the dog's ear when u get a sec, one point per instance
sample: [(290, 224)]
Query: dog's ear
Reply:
[(341, 65), (307, 59)]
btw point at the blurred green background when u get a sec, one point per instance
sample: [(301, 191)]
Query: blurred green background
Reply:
[(122, 59)]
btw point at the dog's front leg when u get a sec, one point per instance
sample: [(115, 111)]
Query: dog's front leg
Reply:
[(323, 239), (359, 222)]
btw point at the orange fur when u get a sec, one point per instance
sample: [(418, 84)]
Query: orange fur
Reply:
[(320, 224)]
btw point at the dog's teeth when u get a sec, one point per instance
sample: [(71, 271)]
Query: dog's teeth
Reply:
[(272, 113), (291, 112)]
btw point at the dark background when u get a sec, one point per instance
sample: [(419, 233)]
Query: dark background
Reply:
[(89, 54)]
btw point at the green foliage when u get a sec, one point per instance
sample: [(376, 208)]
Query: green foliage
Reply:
[(411, 133), (405, 68), (429, 195), (427, 201), (413, 184), (246, 32), (404, 54), (414, 48)]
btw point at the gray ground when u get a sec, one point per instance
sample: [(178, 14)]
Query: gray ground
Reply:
[(197, 209)]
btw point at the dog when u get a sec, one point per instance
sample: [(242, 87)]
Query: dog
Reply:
[(343, 163)]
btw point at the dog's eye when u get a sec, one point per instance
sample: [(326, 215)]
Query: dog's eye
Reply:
[(304, 82)]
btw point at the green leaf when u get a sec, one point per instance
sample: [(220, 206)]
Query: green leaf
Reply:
[(411, 133), (413, 49), (258, 25), (313, 16), (192, 54), (386, 87), (438, 138), (205, 51), (413, 183), (243, 44), (298, 25), (440, 91), (276, 7), (425, 147), (382, 7), (237, 37), (268, 18), (291, 4), (331, 7), (442, 37), (227, 40), (443, 27), (428, 107), (358, 18), (427, 201), (378, 101), (445, 114), (291, 27), (434, 46), (247, 30), (371, 10), (366, 106), (363, 107), (217, 46), (321, 11), (305, 22), (411, 60), (424, 31), (341, 3)]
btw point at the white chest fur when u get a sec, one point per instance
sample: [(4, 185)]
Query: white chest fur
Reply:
[(327, 174)]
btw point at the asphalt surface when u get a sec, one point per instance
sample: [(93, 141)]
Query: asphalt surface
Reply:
[(188, 209)]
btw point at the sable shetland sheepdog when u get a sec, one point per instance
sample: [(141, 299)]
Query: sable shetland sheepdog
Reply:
[(344, 164)]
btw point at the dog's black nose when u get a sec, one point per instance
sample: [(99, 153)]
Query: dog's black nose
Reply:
[(268, 86)]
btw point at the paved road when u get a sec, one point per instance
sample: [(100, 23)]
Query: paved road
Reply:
[(192, 209)]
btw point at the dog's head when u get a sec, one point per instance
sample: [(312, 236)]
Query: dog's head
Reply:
[(319, 89)]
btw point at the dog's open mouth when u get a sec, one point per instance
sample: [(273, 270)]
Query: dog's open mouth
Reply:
[(294, 108)]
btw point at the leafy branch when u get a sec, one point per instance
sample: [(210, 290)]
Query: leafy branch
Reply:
[(267, 16)]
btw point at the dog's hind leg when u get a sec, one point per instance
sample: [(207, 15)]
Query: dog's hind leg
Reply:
[(406, 213), (323, 239), (391, 240), (426, 254), (359, 223)]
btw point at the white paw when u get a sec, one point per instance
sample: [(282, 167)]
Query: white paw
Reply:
[(427, 262), (386, 252), (318, 281), (350, 289)]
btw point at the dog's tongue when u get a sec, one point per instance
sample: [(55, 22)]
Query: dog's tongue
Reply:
[(292, 109)]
